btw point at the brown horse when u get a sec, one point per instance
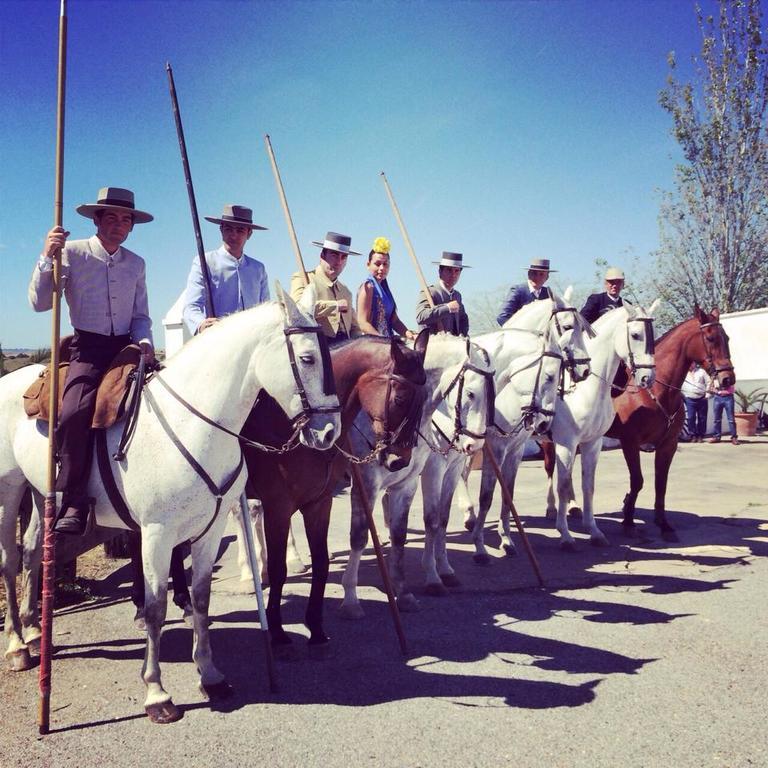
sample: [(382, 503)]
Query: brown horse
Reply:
[(385, 379), (656, 416)]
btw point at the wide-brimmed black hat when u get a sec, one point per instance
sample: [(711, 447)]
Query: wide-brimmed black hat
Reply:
[(336, 242), (114, 199), (235, 214), (452, 260)]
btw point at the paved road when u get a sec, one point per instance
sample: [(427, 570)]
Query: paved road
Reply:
[(637, 654)]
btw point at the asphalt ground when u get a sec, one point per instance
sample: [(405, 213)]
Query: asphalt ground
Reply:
[(641, 653)]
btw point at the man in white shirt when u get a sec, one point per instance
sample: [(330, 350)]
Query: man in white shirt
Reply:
[(694, 392), (105, 288)]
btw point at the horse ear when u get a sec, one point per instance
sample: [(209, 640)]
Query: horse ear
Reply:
[(654, 307), (293, 315), (420, 345), (699, 313), (567, 294), (715, 313)]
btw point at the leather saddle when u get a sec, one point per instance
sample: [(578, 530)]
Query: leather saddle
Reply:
[(110, 398)]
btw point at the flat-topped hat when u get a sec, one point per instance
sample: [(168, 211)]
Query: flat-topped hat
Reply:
[(114, 199), (336, 242), (541, 265), (450, 259), (235, 214), (614, 273)]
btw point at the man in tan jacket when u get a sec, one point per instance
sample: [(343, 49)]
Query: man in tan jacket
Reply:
[(333, 305)]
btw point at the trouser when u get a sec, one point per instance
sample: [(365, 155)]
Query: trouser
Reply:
[(90, 356), (696, 415), (721, 402)]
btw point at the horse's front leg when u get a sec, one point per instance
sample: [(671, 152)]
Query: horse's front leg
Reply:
[(358, 538), (631, 452), (465, 501), (432, 499), (550, 460), (662, 461), (316, 519), (509, 472), (277, 523), (33, 551), (451, 479), (400, 498), (156, 558), (487, 486), (212, 682), (590, 455), (565, 456)]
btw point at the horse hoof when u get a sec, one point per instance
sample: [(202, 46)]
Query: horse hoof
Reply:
[(407, 603), (217, 691), (352, 612), (163, 713), (598, 541), (20, 661), (670, 535), (481, 558), (436, 590), (319, 651), (568, 546), (450, 580), (509, 550), (575, 513), (469, 525)]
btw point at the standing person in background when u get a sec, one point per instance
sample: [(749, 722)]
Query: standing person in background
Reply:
[(723, 400), (448, 314), (237, 280), (105, 288), (520, 295), (694, 392), (333, 300), (600, 303), (376, 308)]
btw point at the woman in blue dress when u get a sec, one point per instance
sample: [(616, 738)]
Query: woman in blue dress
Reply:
[(376, 308)]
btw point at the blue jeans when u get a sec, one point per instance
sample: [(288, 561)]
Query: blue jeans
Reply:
[(696, 415), (720, 402)]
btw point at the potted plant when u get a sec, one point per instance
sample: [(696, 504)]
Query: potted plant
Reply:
[(748, 407)]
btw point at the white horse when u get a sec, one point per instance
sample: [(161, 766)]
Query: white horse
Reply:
[(552, 321), (586, 412), (182, 472), (454, 419)]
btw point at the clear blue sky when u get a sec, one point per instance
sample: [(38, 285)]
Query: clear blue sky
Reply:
[(507, 130)]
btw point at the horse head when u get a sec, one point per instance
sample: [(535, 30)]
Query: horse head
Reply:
[(710, 347), (571, 331), (527, 395), (308, 394), (466, 399), (637, 346)]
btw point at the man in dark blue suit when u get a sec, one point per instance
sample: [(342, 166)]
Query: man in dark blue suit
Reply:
[(600, 303), (520, 295)]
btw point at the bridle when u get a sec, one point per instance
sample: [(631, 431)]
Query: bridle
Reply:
[(570, 360), (649, 344), (712, 369), (528, 412)]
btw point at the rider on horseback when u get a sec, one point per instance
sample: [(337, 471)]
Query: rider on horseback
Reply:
[(105, 288)]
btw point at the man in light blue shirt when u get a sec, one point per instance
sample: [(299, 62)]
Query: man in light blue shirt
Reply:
[(237, 281)]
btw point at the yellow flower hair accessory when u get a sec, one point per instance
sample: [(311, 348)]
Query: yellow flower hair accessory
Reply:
[(381, 245)]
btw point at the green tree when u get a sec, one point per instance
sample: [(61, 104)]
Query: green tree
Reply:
[(714, 226)]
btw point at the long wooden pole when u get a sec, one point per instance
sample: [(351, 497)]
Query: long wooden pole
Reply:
[(49, 514), (408, 243), (210, 309), (286, 211)]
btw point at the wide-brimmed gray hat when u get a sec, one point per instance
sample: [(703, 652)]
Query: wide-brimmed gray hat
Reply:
[(235, 214), (614, 273), (114, 199), (540, 264), (451, 259), (336, 242)]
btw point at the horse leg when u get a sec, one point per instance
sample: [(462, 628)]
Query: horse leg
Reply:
[(564, 461), (590, 455), (548, 452), (293, 557), (277, 522), (316, 519), (400, 498), (487, 486), (464, 498), (358, 538), (213, 684), (450, 480), (631, 452), (662, 461), (432, 486), (30, 574), (156, 557), (509, 471), (17, 653)]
